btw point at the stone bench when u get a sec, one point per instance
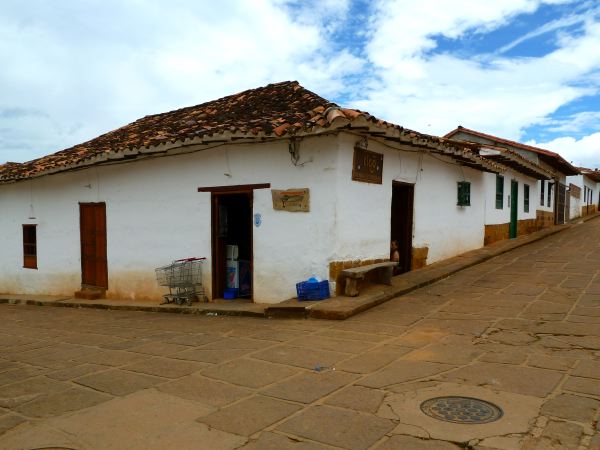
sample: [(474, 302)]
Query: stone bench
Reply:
[(382, 273)]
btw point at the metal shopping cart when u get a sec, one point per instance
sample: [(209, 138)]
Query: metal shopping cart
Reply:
[(183, 277)]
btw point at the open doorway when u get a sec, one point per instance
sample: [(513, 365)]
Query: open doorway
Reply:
[(232, 244), (402, 222)]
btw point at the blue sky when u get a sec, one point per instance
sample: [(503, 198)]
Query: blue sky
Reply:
[(527, 70)]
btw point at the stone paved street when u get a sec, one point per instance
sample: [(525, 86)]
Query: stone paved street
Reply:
[(521, 331)]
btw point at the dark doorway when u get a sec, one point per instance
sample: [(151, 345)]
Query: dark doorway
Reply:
[(92, 226), (402, 222), (560, 203), (514, 209), (232, 227)]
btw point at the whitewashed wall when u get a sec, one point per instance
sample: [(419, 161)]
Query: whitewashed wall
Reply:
[(363, 211), (576, 202), (500, 216), (155, 215)]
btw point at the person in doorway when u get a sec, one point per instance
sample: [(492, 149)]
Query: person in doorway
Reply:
[(395, 256)]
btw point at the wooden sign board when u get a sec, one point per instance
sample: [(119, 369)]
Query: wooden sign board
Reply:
[(575, 190), (293, 200), (367, 166)]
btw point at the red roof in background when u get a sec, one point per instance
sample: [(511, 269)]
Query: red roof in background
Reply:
[(268, 112), (593, 174), (551, 158)]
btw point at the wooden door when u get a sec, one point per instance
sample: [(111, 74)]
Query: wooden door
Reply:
[(561, 192), (514, 208), (92, 225), (402, 223)]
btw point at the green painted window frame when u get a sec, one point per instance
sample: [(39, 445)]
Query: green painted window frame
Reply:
[(463, 193), (499, 192), (526, 198)]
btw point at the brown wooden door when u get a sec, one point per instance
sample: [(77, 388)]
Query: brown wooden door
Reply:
[(94, 270)]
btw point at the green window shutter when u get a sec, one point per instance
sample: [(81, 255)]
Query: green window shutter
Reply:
[(464, 193), (499, 192), (526, 197)]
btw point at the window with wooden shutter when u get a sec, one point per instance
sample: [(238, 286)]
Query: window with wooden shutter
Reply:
[(464, 193), (30, 246), (499, 192), (549, 194), (526, 197)]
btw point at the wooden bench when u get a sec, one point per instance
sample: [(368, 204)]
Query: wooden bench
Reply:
[(382, 273)]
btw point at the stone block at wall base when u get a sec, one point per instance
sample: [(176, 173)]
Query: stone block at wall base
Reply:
[(419, 257), (496, 232)]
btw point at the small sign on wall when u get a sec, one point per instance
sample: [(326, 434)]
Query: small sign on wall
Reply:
[(293, 200), (367, 166)]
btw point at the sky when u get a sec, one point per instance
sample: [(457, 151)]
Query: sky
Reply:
[(527, 70)]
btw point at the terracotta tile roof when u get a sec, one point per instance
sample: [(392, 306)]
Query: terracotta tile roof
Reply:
[(592, 174), (551, 158), (270, 112), (513, 160)]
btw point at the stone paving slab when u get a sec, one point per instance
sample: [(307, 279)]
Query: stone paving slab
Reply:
[(358, 398), (276, 441), (338, 427), (517, 379), (204, 390), (59, 403), (134, 422), (308, 387), (118, 382), (249, 416), (250, 373)]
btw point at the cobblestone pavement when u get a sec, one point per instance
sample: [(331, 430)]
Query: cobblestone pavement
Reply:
[(521, 331)]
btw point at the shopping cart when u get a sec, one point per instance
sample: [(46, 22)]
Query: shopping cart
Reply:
[(183, 277)]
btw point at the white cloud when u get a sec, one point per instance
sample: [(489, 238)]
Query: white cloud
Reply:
[(584, 152), (92, 65), (575, 123), (435, 92)]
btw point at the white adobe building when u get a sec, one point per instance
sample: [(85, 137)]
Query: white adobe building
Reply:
[(584, 193), (535, 181), (101, 216)]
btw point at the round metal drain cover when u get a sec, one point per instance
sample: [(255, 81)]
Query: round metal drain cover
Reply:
[(465, 410)]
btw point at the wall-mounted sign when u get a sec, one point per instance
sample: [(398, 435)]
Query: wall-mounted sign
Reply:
[(367, 166), (575, 190), (295, 200)]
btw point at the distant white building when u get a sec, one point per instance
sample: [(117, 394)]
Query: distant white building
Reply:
[(584, 193), (533, 196)]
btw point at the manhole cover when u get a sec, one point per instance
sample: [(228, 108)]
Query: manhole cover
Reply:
[(461, 410)]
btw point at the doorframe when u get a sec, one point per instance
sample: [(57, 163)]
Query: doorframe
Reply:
[(105, 243), (410, 219), (215, 192), (514, 209)]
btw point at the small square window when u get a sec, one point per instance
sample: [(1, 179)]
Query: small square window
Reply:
[(464, 193), (30, 246)]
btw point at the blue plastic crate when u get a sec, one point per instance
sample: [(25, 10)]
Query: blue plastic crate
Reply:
[(312, 291), (230, 293)]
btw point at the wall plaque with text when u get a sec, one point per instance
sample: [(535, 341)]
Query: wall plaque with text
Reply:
[(367, 166), (294, 200)]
